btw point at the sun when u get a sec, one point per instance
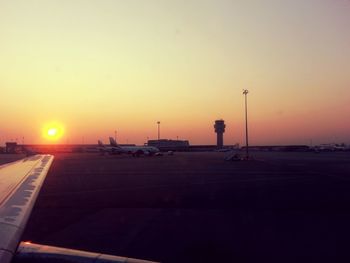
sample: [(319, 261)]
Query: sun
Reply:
[(53, 131)]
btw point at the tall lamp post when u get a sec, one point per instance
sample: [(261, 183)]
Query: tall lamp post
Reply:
[(245, 93), (158, 122)]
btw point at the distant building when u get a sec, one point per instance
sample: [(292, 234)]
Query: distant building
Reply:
[(11, 147), (219, 129), (169, 145), (278, 148)]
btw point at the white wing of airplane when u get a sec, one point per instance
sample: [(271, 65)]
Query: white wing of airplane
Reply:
[(20, 183)]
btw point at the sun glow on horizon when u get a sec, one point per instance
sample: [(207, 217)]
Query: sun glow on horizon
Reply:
[(53, 131)]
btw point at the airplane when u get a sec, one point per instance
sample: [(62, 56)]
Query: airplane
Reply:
[(20, 183), (329, 147), (134, 150), (109, 149)]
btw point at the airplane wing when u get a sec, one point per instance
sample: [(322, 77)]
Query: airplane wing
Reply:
[(20, 183)]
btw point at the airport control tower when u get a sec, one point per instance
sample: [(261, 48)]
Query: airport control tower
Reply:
[(220, 129)]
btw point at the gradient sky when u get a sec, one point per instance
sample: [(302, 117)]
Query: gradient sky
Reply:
[(105, 65)]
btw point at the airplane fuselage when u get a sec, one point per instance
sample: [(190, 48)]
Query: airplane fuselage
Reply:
[(134, 150)]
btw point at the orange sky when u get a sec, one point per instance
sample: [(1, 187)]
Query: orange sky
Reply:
[(100, 66)]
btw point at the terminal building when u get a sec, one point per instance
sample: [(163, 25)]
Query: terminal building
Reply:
[(170, 145)]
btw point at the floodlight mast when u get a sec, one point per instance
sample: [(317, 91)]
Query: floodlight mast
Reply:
[(158, 122), (245, 93)]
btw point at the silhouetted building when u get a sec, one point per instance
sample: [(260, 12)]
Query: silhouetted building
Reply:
[(11, 147), (278, 148), (220, 129), (173, 145)]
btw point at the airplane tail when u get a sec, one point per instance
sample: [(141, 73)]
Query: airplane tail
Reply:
[(113, 142)]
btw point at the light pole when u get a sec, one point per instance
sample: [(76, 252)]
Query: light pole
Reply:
[(158, 122), (115, 135), (245, 93)]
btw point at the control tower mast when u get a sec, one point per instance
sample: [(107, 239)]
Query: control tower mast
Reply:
[(220, 129)]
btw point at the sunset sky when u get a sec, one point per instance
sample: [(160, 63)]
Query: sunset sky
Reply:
[(99, 66)]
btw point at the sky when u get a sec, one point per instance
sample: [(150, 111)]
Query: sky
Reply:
[(96, 67)]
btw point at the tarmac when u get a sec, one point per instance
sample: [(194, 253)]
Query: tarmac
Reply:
[(196, 207)]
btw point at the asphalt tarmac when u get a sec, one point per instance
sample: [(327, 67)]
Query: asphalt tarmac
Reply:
[(196, 207)]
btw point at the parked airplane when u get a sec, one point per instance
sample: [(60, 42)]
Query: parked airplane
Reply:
[(109, 149), (329, 147), (134, 150), (20, 183)]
